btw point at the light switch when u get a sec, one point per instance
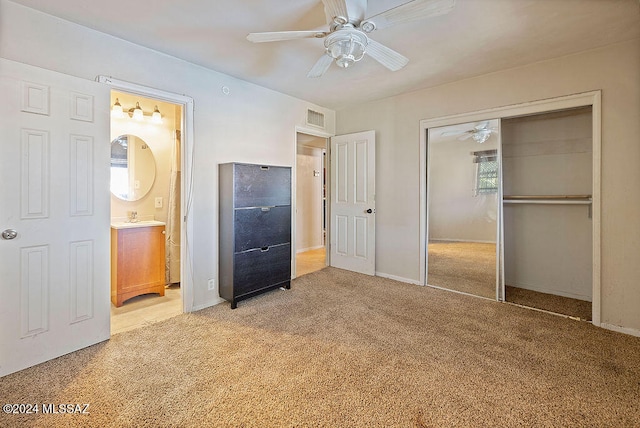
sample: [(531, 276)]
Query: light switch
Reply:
[(159, 202)]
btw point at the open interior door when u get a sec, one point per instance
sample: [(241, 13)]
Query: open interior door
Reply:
[(353, 208), (54, 215)]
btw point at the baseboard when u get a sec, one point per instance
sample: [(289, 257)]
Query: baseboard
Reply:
[(462, 240), (625, 330), (207, 304), (398, 278)]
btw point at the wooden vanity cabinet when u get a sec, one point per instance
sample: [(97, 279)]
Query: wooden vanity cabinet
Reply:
[(137, 262)]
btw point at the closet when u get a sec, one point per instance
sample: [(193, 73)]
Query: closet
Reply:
[(509, 206), (547, 192)]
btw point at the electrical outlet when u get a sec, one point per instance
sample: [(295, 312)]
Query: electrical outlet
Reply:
[(212, 284), (159, 202)]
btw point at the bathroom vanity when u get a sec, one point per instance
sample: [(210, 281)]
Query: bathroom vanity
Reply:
[(137, 259)]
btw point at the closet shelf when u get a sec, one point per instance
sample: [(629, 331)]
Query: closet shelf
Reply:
[(548, 199)]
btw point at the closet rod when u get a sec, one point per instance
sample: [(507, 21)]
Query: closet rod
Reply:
[(533, 197), (548, 199)]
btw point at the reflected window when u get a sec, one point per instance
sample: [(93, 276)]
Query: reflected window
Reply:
[(486, 162)]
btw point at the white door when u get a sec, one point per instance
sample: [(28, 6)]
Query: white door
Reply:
[(54, 181), (353, 207)]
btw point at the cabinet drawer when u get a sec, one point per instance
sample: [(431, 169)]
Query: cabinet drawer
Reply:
[(259, 227), (256, 269), (262, 186)]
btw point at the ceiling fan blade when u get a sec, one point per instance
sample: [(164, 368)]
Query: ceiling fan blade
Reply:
[(276, 36), (416, 9), (321, 66), (451, 133), (356, 9), (482, 125), (391, 59), (333, 8), (466, 136)]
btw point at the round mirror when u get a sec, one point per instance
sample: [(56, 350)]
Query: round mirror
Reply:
[(133, 168)]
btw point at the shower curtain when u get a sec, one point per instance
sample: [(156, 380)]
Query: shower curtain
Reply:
[(172, 262)]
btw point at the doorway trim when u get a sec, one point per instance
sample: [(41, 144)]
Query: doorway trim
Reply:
[(585, 99), (186, 190), (294, 186)]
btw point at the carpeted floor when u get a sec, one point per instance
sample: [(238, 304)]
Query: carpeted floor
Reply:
[(549, 302), (470, 267), (345, 350)]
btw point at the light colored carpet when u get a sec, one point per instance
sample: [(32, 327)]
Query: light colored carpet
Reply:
[(469, 267), (549, 302), (345, 350)]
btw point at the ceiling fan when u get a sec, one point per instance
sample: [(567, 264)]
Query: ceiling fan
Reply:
[(480, 132), (347, 39)]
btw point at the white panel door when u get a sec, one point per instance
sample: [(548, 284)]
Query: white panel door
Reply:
[(54, 216), (353, 208)]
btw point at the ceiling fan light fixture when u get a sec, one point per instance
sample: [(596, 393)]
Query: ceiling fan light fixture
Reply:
[(481, 135), (346, 46)]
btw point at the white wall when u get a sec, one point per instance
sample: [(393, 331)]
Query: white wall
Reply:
[(308, 199), (250, 124), (455, 212), (613, 69)]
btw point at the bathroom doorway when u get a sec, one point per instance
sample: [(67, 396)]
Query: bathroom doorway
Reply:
[(146, 136), (311, 207)]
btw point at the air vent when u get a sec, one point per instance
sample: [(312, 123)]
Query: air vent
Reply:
[(315, 118)]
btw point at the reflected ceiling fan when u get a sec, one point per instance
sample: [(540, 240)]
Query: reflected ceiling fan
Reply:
[(347, 39), (480, 132)]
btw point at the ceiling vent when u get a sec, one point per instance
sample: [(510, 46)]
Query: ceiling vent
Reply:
[(315, 118)]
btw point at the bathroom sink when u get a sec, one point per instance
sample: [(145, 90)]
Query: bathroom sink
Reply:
[(141, 223)]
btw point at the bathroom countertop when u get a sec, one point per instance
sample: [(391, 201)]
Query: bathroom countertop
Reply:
[(141, 223)]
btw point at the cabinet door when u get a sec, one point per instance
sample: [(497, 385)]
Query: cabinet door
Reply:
[(140, 258), (261, 268), (262, 186), (261, 227)]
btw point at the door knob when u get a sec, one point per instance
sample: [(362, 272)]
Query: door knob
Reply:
[(9, 234), (369, 211)]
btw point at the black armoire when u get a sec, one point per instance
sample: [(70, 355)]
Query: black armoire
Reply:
[(255, 229)]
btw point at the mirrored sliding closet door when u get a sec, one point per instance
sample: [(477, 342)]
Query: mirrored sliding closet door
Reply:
[(463, 209)]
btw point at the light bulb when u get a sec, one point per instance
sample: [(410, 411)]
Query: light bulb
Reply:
[(137, 112), (156, 117), (116, 110)]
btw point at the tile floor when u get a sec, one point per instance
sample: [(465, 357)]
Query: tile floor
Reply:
[(147, 309)]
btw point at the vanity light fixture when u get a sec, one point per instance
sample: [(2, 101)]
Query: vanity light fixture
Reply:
[(156, 117), (116, 110), (136, 112)]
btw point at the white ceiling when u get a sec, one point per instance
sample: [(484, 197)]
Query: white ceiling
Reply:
[(477, 37)]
